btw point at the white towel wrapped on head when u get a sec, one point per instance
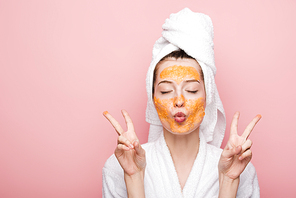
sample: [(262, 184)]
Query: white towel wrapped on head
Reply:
[(193, 33)]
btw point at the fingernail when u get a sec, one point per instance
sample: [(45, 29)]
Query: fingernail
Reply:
[(259, 116), (105, 112), (131, 146)]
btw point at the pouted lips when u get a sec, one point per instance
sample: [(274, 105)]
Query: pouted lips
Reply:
[(180, 117)]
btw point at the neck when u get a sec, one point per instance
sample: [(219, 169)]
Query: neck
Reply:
[(183, 146)]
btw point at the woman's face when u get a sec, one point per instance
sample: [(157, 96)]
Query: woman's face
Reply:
[(179, 95)]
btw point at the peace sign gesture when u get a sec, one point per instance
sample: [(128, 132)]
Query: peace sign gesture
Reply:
[(129, 153), (237, 153)]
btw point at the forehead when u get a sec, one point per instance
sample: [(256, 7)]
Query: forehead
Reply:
[(193, 64)]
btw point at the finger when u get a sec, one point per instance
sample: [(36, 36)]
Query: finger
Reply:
[(231, 152), (233, 126), (121, 147), (139, 150), (251, 126), (125, 141), (114, 123), (128, 120), (247, 153), (247, 145)]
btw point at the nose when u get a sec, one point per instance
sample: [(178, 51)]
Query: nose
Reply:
[(179, 101)]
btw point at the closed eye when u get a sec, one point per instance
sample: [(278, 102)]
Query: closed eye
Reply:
[(192, 91), (165, 92)]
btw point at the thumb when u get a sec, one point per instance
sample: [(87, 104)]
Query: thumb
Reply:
[(138, 148)]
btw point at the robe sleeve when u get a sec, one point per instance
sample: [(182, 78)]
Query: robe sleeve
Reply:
[(113, 179), (113, 186), (256, 189), (249, 186)]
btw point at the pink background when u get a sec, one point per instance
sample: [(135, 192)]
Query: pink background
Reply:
[(62, 63)]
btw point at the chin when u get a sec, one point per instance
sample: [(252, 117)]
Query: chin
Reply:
[(182, 130)]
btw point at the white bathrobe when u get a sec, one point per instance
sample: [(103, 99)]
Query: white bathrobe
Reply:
[(161, 178), (193, 33)]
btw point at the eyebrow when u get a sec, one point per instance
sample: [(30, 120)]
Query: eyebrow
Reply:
[(193, 80), (164, 81)]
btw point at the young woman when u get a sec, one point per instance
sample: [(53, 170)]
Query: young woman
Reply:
[(182, 157)]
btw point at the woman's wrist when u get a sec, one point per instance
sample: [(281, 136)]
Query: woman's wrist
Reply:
[(135, 184), (228, 186), (136, 176), (225, 178)]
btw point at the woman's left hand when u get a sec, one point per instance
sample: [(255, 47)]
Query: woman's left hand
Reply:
[(237, 153)]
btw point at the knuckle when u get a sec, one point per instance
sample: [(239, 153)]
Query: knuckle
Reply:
[(122, 139), (223, 154), (119, 139)]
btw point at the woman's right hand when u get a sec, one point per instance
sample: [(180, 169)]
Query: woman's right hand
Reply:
[(129, 153)]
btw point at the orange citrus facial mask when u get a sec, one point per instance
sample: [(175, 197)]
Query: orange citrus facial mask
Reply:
[(178, 73), (194, 113), (193, 108)]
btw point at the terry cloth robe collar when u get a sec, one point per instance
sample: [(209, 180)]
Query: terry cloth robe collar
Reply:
[(167, 173)]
